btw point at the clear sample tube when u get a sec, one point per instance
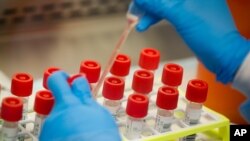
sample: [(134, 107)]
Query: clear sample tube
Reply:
[(196, 95), (44, 102), (113, 90), (166, 101), (11, 113), (92, 70), (46, 75), (137, 110), (172, 75), (121, 66), (21, 86), (143, 82), (149, 59)]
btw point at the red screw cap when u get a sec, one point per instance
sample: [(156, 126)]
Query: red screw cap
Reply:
[(172, 75), (12, 108), (22, 84), (92, 70), (44, 102), (137, 105), (167, 98), (113, 88), (149, 59), (143, 81), (197, 91), (75, 76), (46, 75), (121, 65)]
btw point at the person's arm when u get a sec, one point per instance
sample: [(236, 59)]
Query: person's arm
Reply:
[(242, 77), (242, 83), (208, 29)]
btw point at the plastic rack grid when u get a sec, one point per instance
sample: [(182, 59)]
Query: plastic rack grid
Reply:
[(212, 126)]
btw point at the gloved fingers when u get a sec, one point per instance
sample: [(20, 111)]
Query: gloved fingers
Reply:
[(145, 22), (60, 88), (143, 3), (155, 5), (244, 110), (161, 9), (81, 89)]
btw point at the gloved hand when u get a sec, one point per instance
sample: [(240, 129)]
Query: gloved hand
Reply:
[(206, 26), (76, 116)]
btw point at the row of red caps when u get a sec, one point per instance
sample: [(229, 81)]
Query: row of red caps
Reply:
[(143, 82), (22, 86), (113, 88), (22, 83), (166, 98)]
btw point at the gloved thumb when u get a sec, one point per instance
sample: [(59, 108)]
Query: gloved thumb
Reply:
[(145, 22)]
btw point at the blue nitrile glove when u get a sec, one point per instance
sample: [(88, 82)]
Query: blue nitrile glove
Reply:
[(206, 26), (76, 116)]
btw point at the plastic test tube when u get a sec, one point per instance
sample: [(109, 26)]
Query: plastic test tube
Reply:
[(113, 90), (46, 75), (92, 70), (21, 86), (166, 101), (44, 102), (172, 75), (196, 94), (149, 59), (137, 110), (143, 82), (121, 66), (11, 113)]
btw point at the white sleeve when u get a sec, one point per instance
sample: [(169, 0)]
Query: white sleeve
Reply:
[(242, 78)]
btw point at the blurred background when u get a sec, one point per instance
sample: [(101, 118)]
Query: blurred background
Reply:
[(37, 34)]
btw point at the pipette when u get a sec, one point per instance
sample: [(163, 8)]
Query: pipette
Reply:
[(133, 14)]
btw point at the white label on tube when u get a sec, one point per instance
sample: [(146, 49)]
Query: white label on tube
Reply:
[(162, 123), (134, 128), (9, 134), (38, 125), (192, 115)]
